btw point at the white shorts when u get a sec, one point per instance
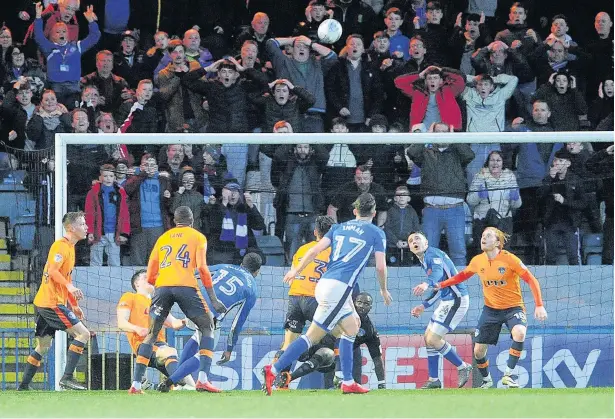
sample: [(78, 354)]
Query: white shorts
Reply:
[(447, 316), (334, 303)]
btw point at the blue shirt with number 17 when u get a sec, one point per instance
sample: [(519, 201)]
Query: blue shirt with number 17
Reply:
[(352, 244)]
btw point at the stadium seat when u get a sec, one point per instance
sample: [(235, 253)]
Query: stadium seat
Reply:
[(592, 249), (272, 248)]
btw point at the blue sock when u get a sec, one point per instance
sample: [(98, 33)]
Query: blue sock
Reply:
[(185, 368), (294, 351), (190, 349), (450, 354), (433, 360), (346, 355), (206, 351)]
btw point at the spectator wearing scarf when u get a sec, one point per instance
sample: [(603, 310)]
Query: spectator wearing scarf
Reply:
[(233, 219)]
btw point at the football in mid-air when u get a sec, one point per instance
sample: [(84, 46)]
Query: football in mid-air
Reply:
[(329, 31)]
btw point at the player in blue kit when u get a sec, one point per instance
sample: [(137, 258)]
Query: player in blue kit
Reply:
[(352, 243), (454, 303), (235, 287)]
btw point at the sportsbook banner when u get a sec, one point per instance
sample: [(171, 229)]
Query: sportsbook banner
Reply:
[(547, 361)]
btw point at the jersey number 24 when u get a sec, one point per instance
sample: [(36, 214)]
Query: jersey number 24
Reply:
[(182, 255)]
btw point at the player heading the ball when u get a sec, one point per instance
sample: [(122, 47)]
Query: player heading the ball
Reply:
[(352, 243)]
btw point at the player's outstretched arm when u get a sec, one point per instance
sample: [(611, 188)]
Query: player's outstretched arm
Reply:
[(381, 273), (205, 275), (324, 243), (457, 279)]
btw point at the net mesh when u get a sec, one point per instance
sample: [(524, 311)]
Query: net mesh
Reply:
[(574, 348)]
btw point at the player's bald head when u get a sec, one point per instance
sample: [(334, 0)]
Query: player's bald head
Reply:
[(252, 262), (183, 216)]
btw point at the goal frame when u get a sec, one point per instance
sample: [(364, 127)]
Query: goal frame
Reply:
[(63, 140)]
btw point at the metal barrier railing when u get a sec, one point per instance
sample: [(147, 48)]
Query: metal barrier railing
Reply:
[(13, 356)]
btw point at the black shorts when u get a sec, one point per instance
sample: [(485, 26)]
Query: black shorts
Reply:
[(190, 301), (300, 310), (491, 321), (50, 320)]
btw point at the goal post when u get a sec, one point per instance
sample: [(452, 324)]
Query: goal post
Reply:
[(62, 185)]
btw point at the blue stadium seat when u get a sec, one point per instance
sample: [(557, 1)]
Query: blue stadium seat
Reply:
[(592, 248), (272, 248)]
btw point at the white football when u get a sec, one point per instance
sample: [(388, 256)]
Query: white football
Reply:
[(329, 31)]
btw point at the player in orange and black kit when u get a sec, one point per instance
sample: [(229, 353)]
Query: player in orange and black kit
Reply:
[(133, 318), (499, 272), (56, 304), (302, 303), (171, 268)]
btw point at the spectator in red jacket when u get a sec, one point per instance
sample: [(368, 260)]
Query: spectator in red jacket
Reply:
[(106, 214), (433, 92)]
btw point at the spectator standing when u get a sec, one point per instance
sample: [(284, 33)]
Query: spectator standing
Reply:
[(567, 104), (315, 14), (107, 218), (602, 105), (601, 52), (443, 188), (401, 221), (259, 33), (340, 206), (64, 54), (518, 30), (149, 198), (187, 195), (433, 92), (305, 71), (49, 119), (465, 40), (16, 111), (434, 34), (485, 112), (183, 105), (113, 89), (399, 44), (129, 60), (353, 87), (297, 172), (285, 102), (232, 221), (493, 190), (601, 163), (141, 113), (563, 196)]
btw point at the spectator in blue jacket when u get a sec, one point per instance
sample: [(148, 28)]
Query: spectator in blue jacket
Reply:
[(64, 56)]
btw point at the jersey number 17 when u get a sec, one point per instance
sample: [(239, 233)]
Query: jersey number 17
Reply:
[(357, 245)]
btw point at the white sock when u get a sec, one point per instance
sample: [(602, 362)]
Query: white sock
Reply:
[(508, 371), (348, 382), (462, 366), (202, 377), (189, 380), (136, 385), (487, 378)]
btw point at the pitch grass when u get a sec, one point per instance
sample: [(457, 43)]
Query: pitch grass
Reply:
[(555, 403)]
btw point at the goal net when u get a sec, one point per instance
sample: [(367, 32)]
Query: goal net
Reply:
[(450, 186)]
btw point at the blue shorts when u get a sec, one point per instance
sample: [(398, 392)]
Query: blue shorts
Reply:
[(190, 301), (491, 321)]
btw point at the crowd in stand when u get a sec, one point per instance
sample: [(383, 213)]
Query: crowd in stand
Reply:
[(220, 66)]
